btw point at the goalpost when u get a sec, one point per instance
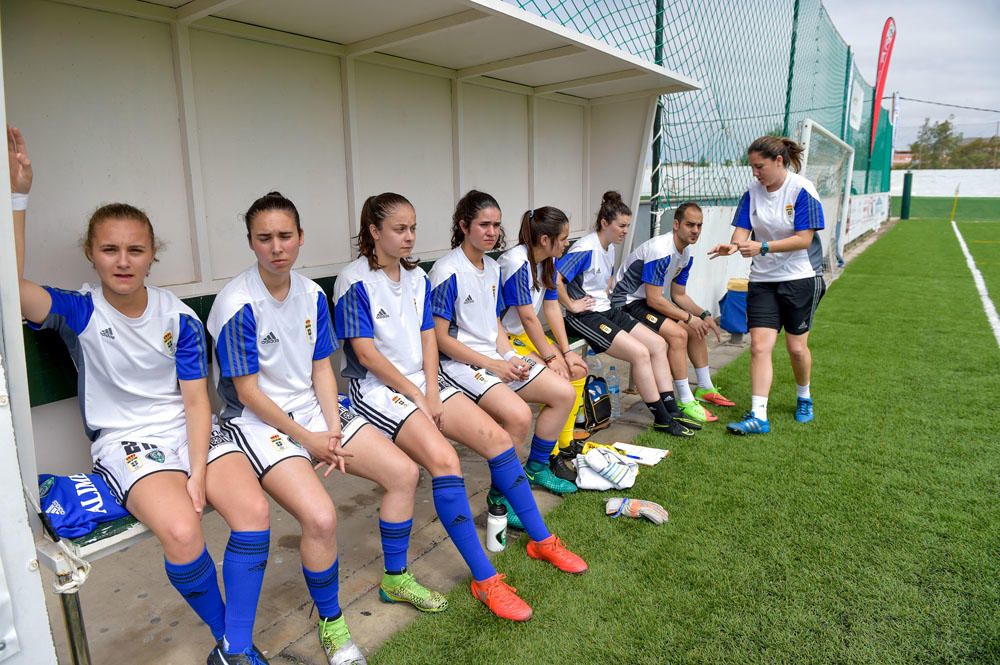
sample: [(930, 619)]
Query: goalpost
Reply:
[(828, 162)]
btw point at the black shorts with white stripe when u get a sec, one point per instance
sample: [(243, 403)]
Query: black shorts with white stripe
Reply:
[(789, 305), (600, 328)]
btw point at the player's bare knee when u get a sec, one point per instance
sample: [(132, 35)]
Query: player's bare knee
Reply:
[(320, 523), (759, 347), (563, 396), (577, 372), (443, 461), (182, 539), (798, 350), (639, 355), (518, 421)]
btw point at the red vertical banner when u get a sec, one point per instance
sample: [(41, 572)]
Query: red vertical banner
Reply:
[(884, 53)]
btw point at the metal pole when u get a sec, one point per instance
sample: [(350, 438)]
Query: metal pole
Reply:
[(656, 183), (904, 208), (845, 119), (73, 615), (791, 68)]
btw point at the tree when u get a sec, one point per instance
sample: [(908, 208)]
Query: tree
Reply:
[(935, 145)]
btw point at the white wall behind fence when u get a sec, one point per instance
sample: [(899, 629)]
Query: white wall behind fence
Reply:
[(942, 182), (559, 160)]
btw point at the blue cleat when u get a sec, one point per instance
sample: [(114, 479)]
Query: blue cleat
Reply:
[(750, 424), (804, 410)]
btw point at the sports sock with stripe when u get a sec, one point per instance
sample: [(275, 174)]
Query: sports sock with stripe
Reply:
[(668, 401), (324, 587), (452, 505), (199, 584), (395, 543), (508, 476), (659, 410), (243, 575), (540, 450)]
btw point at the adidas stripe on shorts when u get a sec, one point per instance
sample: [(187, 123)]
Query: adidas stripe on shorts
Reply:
[(476, 381), (387, 409)]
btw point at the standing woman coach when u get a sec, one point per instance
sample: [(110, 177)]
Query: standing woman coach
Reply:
[(783, 212)]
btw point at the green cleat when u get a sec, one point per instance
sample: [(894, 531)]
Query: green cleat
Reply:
[(694, 411), (513, 521), (336, 641), (547, 480), (404, 588)]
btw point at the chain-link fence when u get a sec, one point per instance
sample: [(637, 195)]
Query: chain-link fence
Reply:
[(765, 65)]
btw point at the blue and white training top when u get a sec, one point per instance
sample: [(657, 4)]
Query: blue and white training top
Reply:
[(655, 262), (776, 215), (586, 269), (515, 275), (369, 304), (128, 368), (277, 340), (470, 299)]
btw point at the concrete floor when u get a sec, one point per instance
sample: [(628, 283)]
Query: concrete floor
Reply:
[(133, 615)]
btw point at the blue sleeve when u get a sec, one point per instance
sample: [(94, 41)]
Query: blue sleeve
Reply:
[(325, 343), (501, 305), (428, 322), (517, 288), (742, 217), (352, 315), (551, 294), (808, 212), (191, 357), (682, 276), (443, 299), (236, 347), (655, 272), (71, 309), (573, 263)]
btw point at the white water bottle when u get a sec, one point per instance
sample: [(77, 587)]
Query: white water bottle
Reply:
[(594, 365), (614, 390), (496, 528)]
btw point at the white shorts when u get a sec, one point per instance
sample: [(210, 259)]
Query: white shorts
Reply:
[(265, 446), (387, 409), (124, 461), (476, 381)]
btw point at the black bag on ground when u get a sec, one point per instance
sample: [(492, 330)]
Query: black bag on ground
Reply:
[(596, 403)]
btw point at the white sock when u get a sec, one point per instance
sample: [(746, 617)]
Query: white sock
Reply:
[(683, 390), (704, 377), (802, 391), (758, 405)]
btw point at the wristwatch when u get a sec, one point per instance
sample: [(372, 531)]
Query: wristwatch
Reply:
[(763, 248), (704, 315)]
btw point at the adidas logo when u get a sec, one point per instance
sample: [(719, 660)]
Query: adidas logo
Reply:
[(270, 338), (460, 519), (55, 509), (468, 300), (108, 332), (259, 567), (520, 479), (382, 314)]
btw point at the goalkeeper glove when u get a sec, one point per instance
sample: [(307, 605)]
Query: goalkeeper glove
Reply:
[(636, 508)]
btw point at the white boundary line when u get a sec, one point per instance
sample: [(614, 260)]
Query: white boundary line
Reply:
[(977, 277)]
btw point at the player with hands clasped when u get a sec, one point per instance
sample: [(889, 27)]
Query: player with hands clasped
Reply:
[(274, 338), (383, 312), (783, 213), (587, 271), (141, 358)]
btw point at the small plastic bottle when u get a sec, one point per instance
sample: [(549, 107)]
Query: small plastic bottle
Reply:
[(614, 390), (594, 364), (496, 528)]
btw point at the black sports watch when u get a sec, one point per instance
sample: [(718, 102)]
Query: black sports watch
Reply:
[(704, 315), (763, 248)]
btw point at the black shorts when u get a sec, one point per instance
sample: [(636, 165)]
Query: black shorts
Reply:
[(642, 312), (788, 305), (599, 328)]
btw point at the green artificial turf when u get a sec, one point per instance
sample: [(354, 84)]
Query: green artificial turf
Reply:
[(939, 207), (871, 535)]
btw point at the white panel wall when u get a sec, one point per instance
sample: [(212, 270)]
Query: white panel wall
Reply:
[(405, 146), (559, 160), (616, 137), (495, 150), (95, 96), (270, 118)]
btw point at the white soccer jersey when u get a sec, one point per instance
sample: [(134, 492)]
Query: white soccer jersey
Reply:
[(128, 368), (777, 215), (655, 262), (518, 289), (277, 341), (586, 269), (468, 298), (369, 304)]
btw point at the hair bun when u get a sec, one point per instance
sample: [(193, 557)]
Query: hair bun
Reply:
[(612, 197), (275, 193)]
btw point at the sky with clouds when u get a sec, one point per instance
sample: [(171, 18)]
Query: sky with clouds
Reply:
[(945, 52)]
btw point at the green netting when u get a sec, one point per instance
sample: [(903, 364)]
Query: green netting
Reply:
[(765, 66)]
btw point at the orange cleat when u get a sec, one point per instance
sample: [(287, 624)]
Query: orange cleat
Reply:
[(552, 550), (713, 396), (501, 598), (710, 417)]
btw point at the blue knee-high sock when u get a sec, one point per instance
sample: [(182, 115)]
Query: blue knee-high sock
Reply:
[(508, 476), (395, 543), (540, 451), (243, 575), (452, 507), (324, 587), (199, 585)]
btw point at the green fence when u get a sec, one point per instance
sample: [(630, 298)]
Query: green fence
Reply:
[(765, 65)]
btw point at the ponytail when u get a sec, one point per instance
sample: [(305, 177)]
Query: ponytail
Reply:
[(773, 147), (612, 206), (545, 221), (373, 213)]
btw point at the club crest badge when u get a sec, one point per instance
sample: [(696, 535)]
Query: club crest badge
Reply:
[(309, 330), (789, 211), (168, 342), (156, 456), (133, 462), (606, 329), (277, 441)]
